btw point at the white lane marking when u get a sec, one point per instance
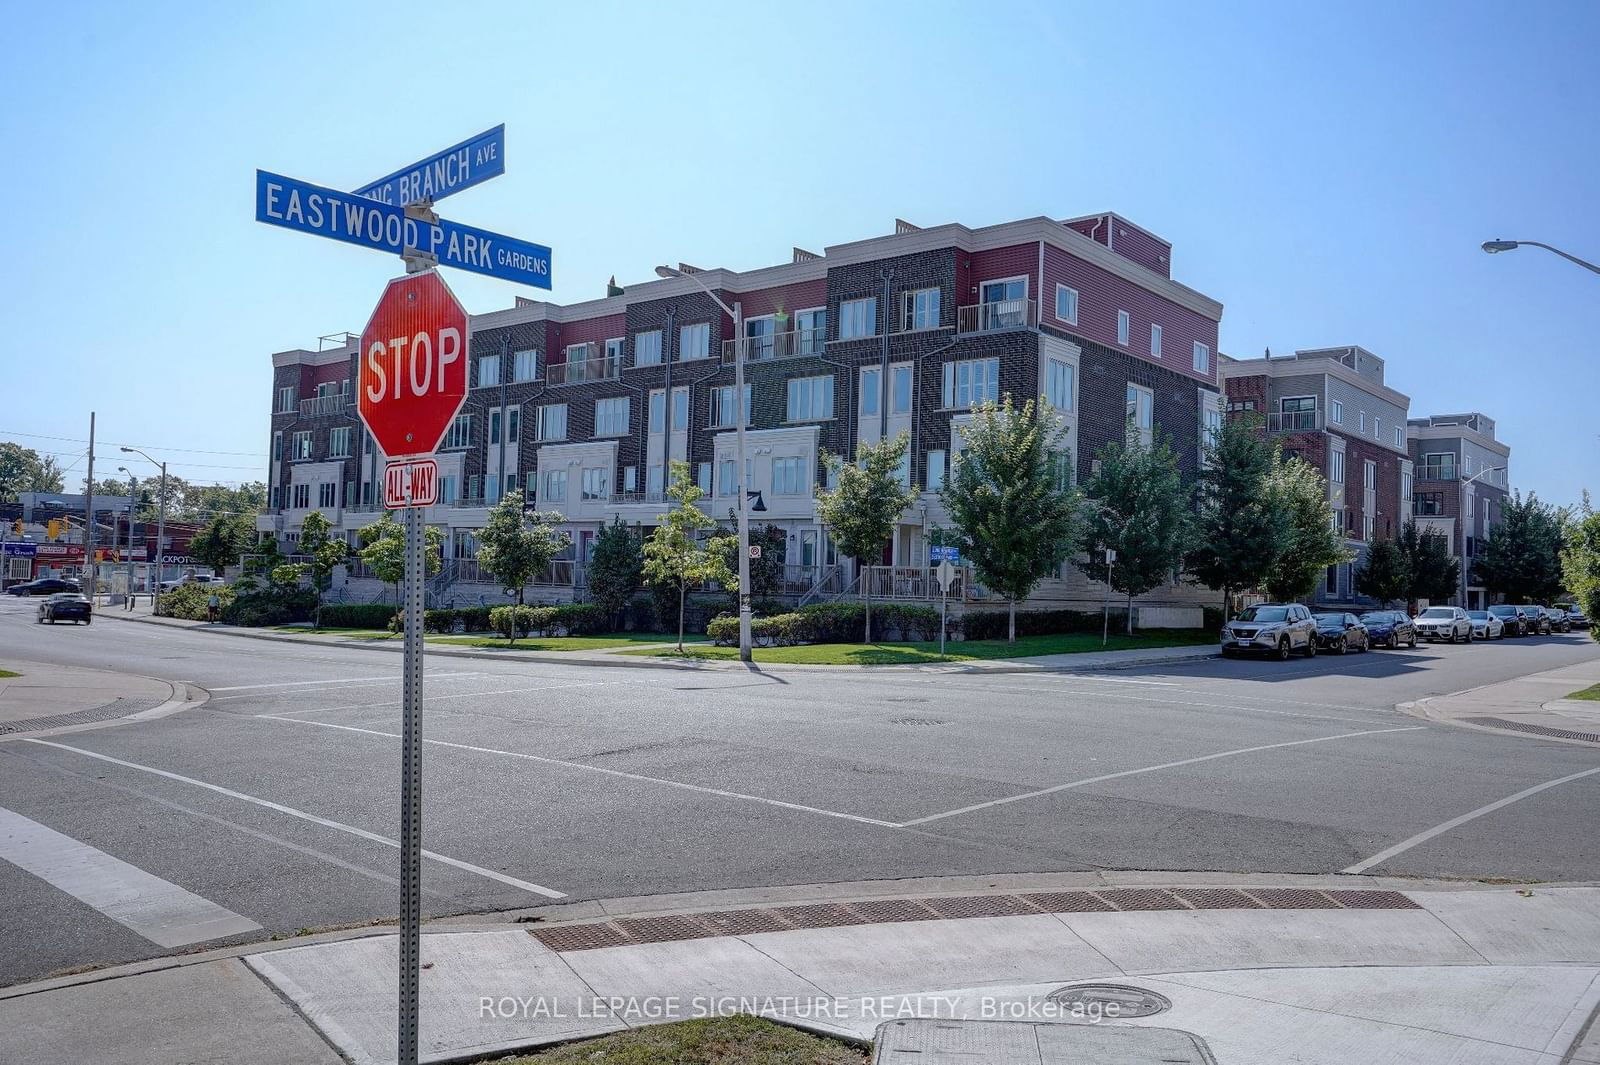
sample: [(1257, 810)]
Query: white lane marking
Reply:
[(337, 826), (1456, 822), (720, 792), (432, 698), (1163, 702), (393, 678), (161, 912), (1149, 769)]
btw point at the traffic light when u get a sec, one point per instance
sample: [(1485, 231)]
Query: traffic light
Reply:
[(16, 526), (54, 527)]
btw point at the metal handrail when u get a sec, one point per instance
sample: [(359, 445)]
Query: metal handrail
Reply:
[(789, 344), (1294, 421), (997, 315), (319, 406), (576, 371)]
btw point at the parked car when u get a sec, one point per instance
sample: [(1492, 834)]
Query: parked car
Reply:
[(1576, 618), (1558, 619), (45, 586), (1486, 626), (190, 578), (1535, 621), (1512, 621), (1339, 632), (1389, 628), (66, 606), (1271, 629), (1448, 623)]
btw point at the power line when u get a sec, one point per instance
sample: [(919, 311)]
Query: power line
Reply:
[(152, 447), (181, 463)]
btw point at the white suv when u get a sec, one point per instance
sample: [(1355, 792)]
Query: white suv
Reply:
[(1271, 629), (1448, 623)]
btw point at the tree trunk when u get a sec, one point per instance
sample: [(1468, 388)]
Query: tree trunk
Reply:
[(1011, 622), (681, 589), (1130, 614)]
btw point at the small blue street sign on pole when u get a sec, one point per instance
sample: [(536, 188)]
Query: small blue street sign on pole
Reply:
[(461, 166), (945, 554), (325, 212)]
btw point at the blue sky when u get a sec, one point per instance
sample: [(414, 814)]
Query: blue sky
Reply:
[(1328, 174)]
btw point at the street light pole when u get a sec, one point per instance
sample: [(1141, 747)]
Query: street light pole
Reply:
[(740, 346), (1461, 505), (133, 493), (1493, 246), (161, 527)]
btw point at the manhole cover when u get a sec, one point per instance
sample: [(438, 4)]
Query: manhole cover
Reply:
[(917, 721), (1110, 1001)]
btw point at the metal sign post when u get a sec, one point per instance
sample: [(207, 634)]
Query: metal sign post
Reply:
[(411, 793), (944, 573), (1105, 607)]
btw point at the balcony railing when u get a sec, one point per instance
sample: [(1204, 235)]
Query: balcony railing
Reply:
[(624, 498), (577, 371), (911, 582), (1293, 421), (786, 345), (1436, 471), (561, 573), (322, 406), (997, 315)]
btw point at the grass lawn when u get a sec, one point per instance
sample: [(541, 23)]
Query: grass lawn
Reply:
[(894, 654), (1592, 694), (740, 1040), (8, 673), (498, 643)]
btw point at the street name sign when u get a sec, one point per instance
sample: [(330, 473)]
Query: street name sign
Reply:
[(386, 227), (410, 483), (944, 554), (461, 166), (413, 365)]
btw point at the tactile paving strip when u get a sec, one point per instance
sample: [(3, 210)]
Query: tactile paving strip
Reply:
[(627, 931)]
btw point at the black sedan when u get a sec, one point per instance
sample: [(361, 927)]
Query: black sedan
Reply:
[(1340, 633), (45, 586), (1514, 621), (1389, 628), (66, 606)]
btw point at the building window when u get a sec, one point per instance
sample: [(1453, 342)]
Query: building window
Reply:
[(460, 432), (1330, 582), (970, 382), (1067, 304), (811, 331), (339, 442), (447, 489), (899, 390), (788, 475), (302, 496), (327, 494), (513, 423), (658, 411), (524, 365), (550, 422), (1428, 504), (1202, 358), (1122, 328), (555, 486), (594, 483), (1336, 467), (1377, 427), (1059, 384), (871, 390), (761, 337), (1061, 470), (726, 472), (614, 356), (285, 400), (858, 318), (488, 370), (1155, 341), (810, 398), (494, 426), (722, 407), (1336, 412), (1405, 493), (694, 341), (300, 446), (277, 446), (1361, 420), (921, 310), (647, 348), (1440, 466), (935, 470), (1211, 426), (1239, 406), (630, 479), (1399, 437), (611, 416), (1141, 415), (703, 477), (680, 409), (653, 481)]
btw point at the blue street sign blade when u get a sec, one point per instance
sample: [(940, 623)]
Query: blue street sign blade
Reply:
[(342, 216), (944, 554), (460, 166)]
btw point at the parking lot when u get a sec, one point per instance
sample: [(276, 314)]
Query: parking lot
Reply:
[(277, 800)]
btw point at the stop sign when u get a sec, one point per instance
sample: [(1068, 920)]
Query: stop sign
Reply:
[(413, 362)]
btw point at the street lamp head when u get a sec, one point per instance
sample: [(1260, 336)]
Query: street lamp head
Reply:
[(126, 449), (1492, 246), (667, 271)]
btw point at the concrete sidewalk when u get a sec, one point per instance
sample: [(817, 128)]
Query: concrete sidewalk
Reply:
[(49, 697), (1064, 663), (1264, 970), (1533, 706)]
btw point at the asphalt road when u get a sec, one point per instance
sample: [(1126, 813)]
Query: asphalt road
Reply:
[(278, 800)]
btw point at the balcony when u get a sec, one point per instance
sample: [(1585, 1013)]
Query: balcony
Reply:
[(997, 316), (789, 344), (626, 498), (1436, 471), (577, 371), (324, 406), (1294, 421)]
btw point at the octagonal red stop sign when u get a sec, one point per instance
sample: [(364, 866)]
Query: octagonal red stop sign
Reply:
[(413, 355)]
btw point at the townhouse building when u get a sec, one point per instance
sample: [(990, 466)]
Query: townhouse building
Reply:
[(1330, 407), (1462, 477), (582, 408)]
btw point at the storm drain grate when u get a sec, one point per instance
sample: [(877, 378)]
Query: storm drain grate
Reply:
[(921, 721), (1293, 899), (742, 922), (117, 708), (820, 915), (1216, 899), (1068, 902), (663, 929), (1142, 899), (1372, 900), (876, 910), (1534, 730), (978, 906), (580, 937)]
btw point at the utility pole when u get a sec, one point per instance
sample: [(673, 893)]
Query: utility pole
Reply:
[(505, 414), (133, 494), (88, 506)]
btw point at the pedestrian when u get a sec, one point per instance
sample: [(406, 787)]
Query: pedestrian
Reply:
[(212, 606)]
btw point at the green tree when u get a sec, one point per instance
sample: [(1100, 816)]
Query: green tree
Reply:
[(221, 541), (1580, 561), (766, 572), (22, 469), (861, 512), (1004, 496), (197, 502), (1386, 574), (1521, 559), (1299, 493), (516, 545), (674, 556), (326, 552), (1434, 571), (1238, 531), (1138, 507), (383, 550), (615, 569)]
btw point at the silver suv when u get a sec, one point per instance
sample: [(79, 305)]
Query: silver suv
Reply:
[(1271, 629), (1448, 623)]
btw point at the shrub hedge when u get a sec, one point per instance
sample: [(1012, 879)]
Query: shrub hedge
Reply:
[(355, 615), (991, 624), (189, 600), (568, 619), (830, 623), (445, 619)]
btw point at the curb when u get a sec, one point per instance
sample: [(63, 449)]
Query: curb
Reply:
[(645, 662)]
